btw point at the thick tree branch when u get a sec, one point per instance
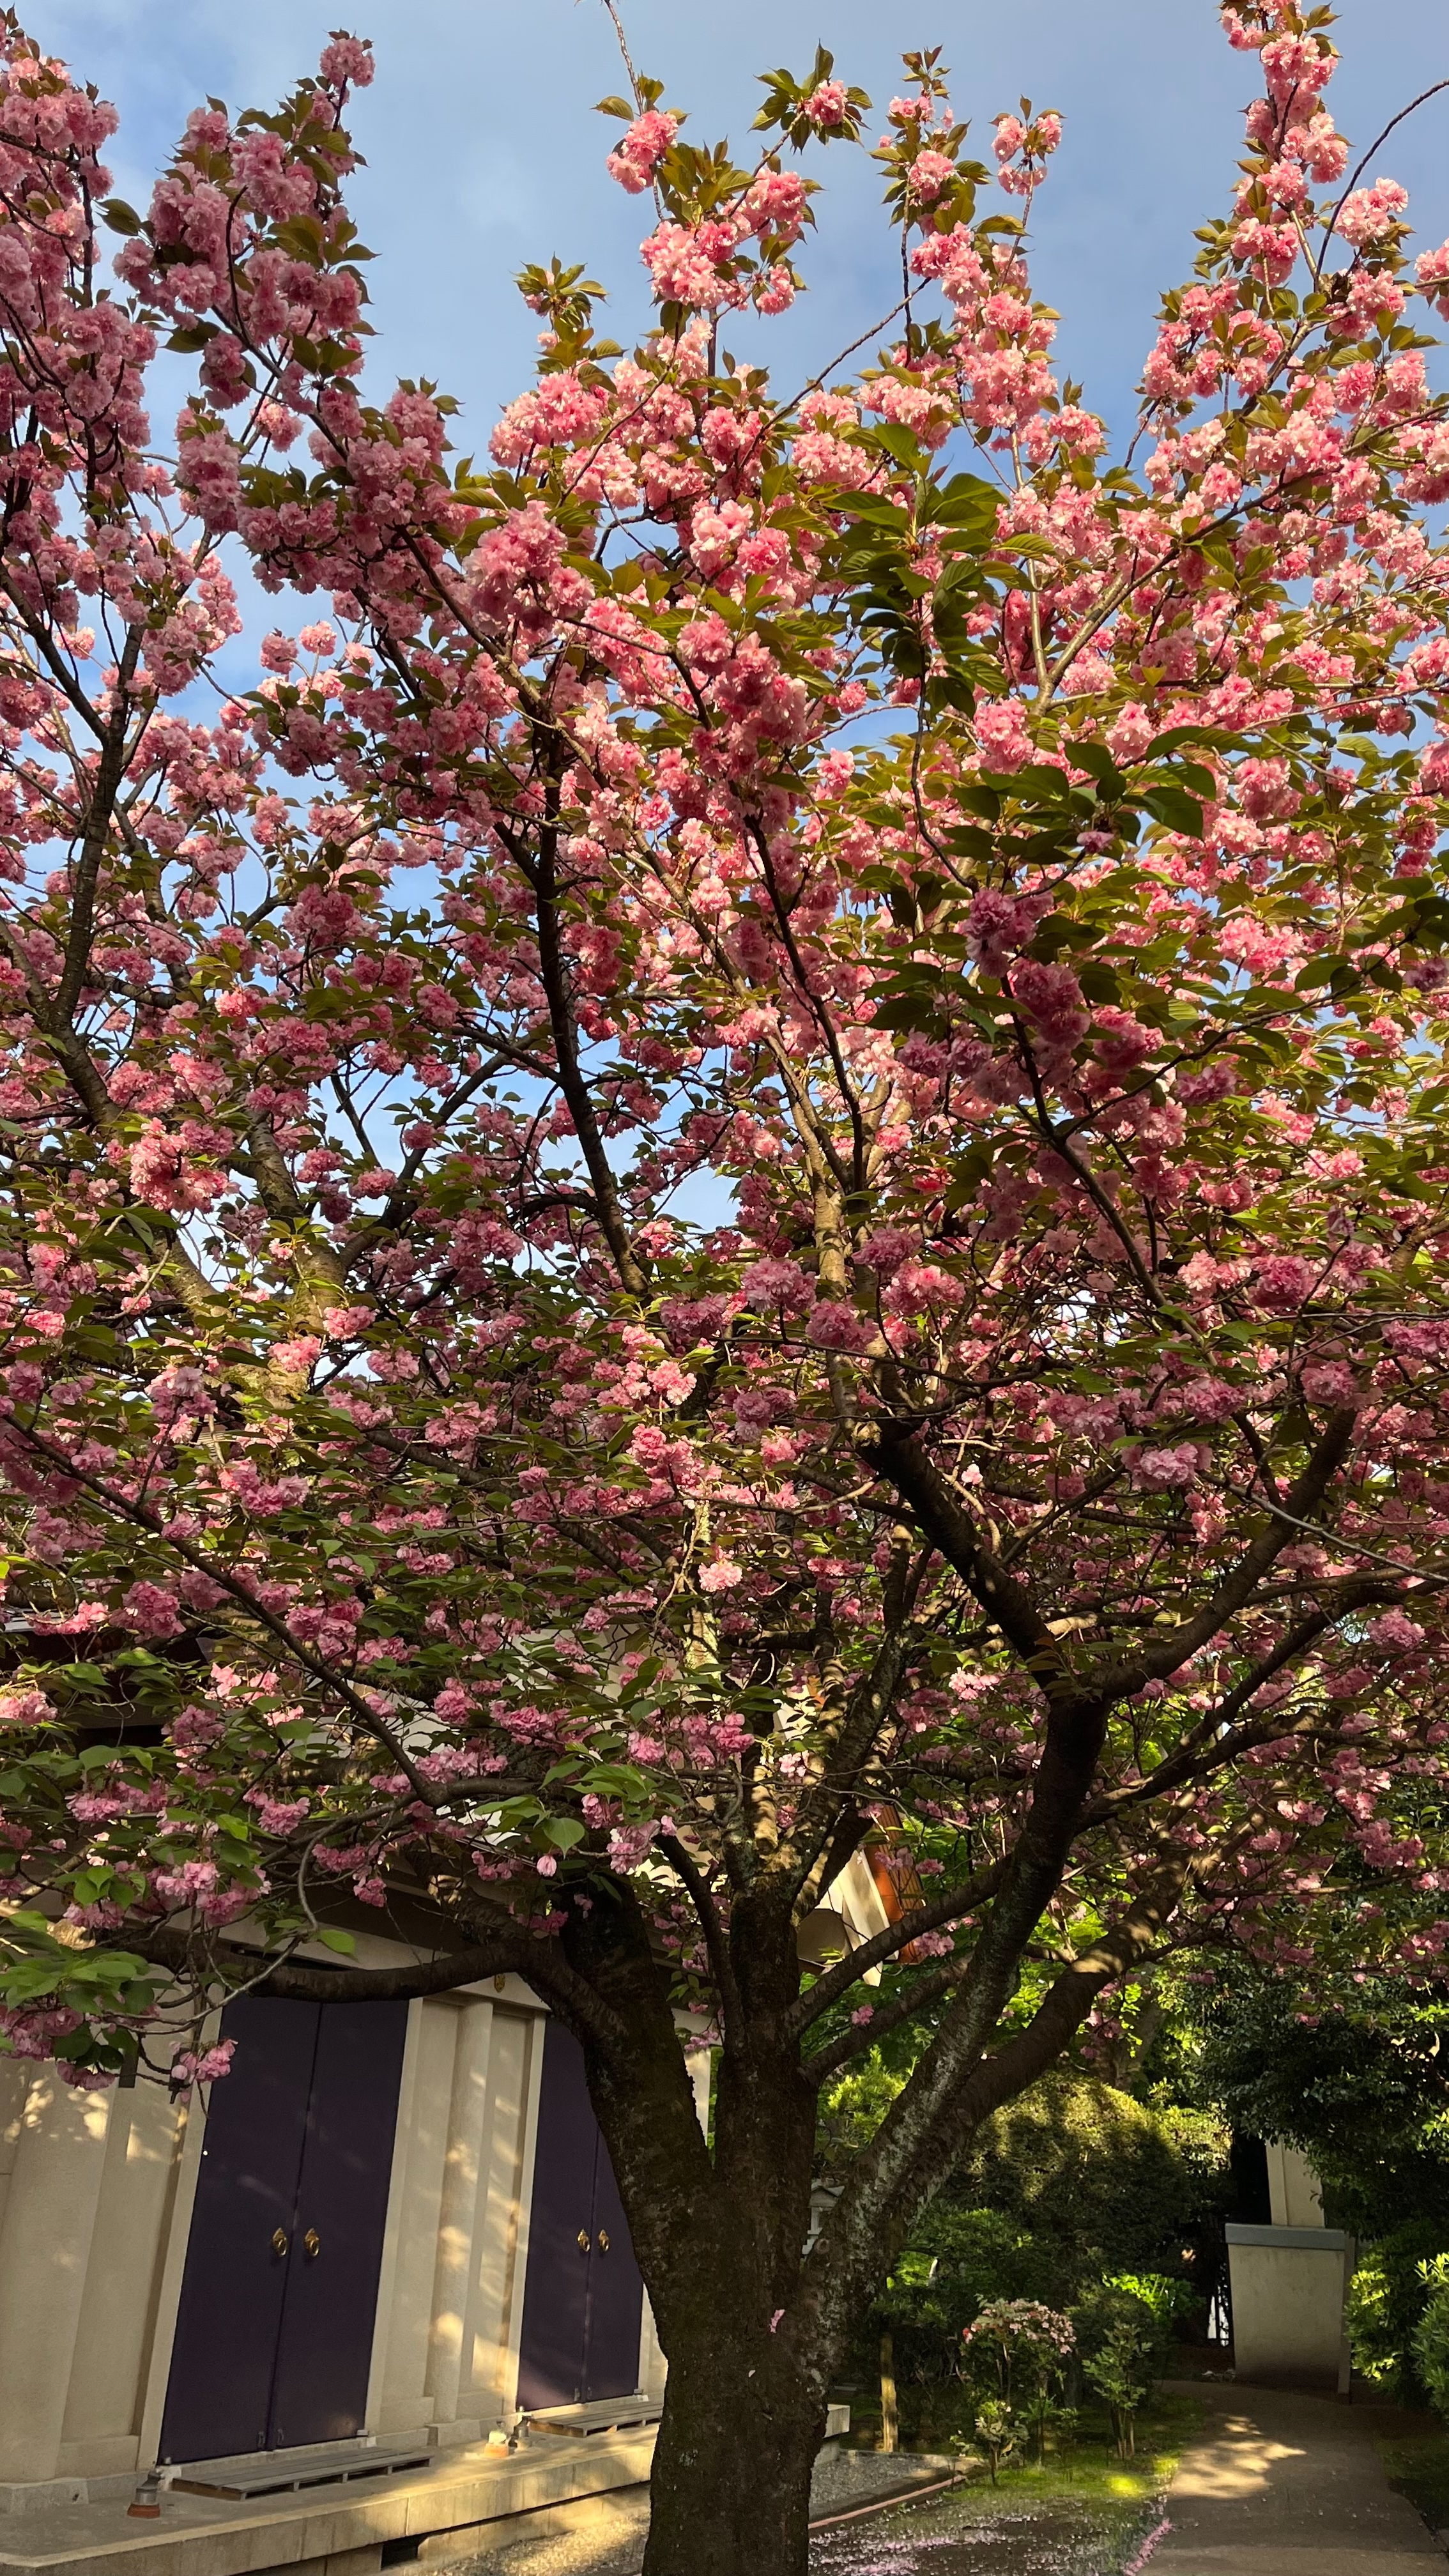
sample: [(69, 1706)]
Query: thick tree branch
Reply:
[(537, 1960), (896, 1450), (110, 770)]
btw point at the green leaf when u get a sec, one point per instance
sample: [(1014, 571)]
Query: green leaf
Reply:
[(332, 1937), (1319, 970), (899, 442), (1174, 807), (120, 217), (1095, 757)]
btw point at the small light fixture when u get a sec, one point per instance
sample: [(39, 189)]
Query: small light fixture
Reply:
[(147, 2499)]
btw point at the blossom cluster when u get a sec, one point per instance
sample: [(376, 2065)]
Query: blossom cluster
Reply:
[(998, 890)]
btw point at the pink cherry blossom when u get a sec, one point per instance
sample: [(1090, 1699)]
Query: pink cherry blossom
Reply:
[(720, 1129)]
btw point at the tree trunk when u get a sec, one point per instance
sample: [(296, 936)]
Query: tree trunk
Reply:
[(889, 2419), (730, 2494)]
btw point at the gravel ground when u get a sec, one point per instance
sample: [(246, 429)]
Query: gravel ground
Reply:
[(953, 2535)]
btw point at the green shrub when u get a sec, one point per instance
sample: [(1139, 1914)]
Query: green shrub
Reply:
[(958, 2261), (1101, 2183), (998, 2433), (1386, 2299), (1114, 2310), (1431, 2334), (1170, 2299), (1121, 2371), (1374, 2338)]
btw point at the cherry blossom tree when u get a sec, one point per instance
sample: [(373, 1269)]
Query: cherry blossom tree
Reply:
[(998, 889)]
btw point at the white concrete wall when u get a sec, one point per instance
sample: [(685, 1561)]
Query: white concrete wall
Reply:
[(450, 2301), (89, 2181), (1288, 2288)]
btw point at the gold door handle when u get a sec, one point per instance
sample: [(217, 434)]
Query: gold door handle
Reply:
[(602, 2240), (279, 2240), (312, 2243), (582, 2240)]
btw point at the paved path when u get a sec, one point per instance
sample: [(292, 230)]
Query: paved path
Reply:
[(1282, 2485)]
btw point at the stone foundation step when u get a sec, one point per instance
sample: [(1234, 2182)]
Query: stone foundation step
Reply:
[(597, 2415), (318, 2464), (342, 2528)]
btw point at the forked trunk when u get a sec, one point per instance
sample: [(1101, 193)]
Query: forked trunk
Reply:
[(730, 2494)]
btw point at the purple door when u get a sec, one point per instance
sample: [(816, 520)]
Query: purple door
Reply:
[(274, 2330), (583, 2297)]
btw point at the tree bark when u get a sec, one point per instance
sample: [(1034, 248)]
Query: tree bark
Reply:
[(730, 2494)]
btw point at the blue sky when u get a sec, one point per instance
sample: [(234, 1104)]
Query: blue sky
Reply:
[(482, 151)]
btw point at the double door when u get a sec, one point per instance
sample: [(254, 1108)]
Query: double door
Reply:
[(279, 2296), (583, 2299)]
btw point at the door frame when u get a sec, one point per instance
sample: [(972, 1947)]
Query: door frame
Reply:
[(392, 2224), (173, 2269), (523, 2224)]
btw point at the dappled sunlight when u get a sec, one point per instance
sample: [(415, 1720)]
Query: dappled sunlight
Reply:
[(1238, 2465)]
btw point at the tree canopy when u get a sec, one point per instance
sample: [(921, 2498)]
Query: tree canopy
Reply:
[(997, 887)]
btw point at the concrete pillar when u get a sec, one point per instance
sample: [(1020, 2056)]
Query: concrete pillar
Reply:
[(495, 2304), (1288, 2289), (458, 2210), (45, 2244), (532, 2084), (377, 2418), (1294, 2198), (122, 2286), (405, 2404)]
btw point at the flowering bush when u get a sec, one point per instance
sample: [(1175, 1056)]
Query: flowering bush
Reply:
[(1019, 2338), (1023, 2348), (998, 888)]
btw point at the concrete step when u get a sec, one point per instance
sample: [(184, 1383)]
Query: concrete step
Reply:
[(598, 2415), (341, 2528), (317, 2464)]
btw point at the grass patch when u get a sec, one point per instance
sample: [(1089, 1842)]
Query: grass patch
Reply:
[(1418, 2465), (1082, 2512), (933, 2419), (1087, 2472)]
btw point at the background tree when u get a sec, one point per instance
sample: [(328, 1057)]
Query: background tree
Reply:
[(1357, 2083), (1075, 2194), (1010, 894)]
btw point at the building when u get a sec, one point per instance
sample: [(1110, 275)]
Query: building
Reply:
[(389, 2228), (365, 2234)]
